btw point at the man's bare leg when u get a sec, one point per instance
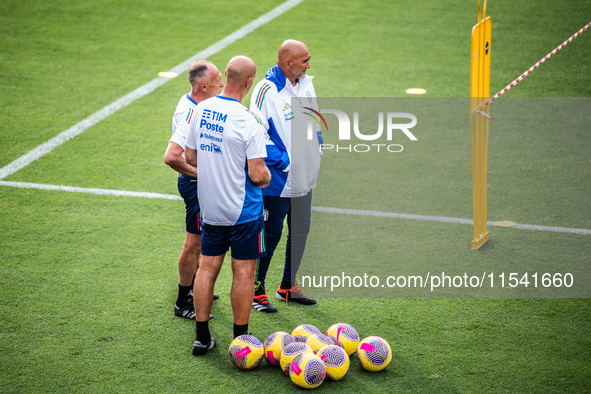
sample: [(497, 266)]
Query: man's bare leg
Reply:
[(242, 293), (207, 274), (189, 259), (188, 265)]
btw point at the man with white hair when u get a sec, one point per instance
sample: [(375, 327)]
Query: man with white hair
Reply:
[(206, 81)]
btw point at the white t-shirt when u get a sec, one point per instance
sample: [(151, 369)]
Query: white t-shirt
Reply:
[(183, 114), (225, 135)]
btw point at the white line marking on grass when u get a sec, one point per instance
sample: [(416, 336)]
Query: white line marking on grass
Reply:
[(392, 215), (123, 193), (129, 98), (108, 192), (80, 127), (581, 231), (444, 219)]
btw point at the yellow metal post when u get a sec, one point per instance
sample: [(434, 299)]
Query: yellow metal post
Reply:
[(479, 93)]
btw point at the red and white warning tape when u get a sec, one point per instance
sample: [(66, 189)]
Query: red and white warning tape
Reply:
[(481, 112), (525, 74)]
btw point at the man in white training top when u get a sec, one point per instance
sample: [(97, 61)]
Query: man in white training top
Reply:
[(226, 142), (206, 81)]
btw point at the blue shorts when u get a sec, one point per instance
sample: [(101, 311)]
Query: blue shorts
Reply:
[(188, 190), (247, 240)]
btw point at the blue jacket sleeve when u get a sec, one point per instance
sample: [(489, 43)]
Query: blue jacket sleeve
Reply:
[(277, 155), (320, 139), (276, 158)]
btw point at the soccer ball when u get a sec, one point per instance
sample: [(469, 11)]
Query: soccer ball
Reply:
[(289, 353), (336, 360), (307, 370), (274, 345), (374, 354), (300, 333), (246, 352), (318, 341), (345, 336)]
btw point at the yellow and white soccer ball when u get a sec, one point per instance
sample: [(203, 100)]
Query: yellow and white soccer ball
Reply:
[(336, 360), (345, 336), (274, 345), (301, 333), (374, 354), (318, 341), (307, 370), (246, 352), (290, 352)]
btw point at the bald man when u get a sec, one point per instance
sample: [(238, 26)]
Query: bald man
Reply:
[(226, 143), (206, 81), (271, 101)]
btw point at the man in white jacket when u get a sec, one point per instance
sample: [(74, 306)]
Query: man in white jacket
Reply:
[(271, 102)]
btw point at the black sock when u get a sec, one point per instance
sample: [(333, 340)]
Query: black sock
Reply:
[(240, 329), (184, 291), (286, 285), (259, 288), (202, 331)]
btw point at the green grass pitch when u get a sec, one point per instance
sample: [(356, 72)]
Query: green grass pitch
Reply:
[(88, 281)]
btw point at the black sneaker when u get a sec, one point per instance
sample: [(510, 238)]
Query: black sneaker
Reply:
[(199, 349), (294, 294), (261, 303), (188, 312)]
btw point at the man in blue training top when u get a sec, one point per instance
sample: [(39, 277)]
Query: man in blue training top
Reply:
[(271, 101)]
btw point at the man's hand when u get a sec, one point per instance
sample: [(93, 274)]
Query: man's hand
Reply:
[(258, 172)]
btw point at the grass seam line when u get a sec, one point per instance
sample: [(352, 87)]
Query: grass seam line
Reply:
[(142, 91)]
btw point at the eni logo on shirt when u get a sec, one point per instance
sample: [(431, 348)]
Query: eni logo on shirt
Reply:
[(211, 147)]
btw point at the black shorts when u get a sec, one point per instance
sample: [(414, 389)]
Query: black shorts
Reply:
[(188, 190), (247, 240)]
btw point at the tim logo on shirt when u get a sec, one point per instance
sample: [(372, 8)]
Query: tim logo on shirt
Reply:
[(214, 115), (210, 120)]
